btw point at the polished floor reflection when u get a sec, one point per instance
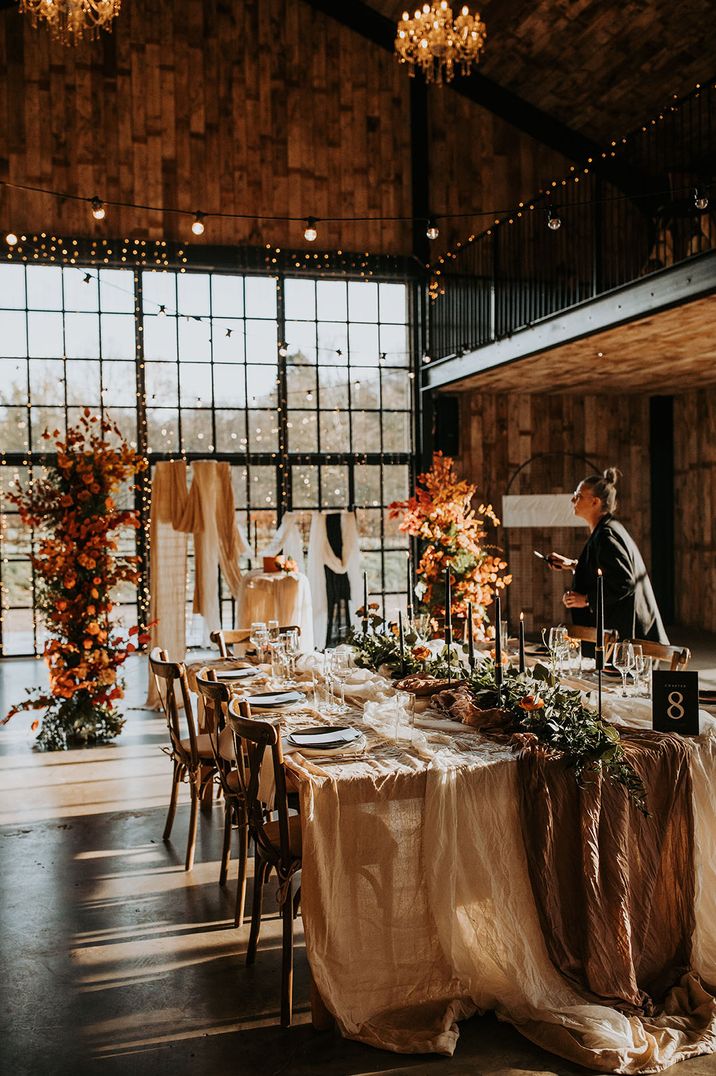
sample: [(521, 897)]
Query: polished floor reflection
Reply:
[(114, 959)]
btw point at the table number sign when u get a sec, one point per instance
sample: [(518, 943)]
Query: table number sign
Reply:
[(675, 702)]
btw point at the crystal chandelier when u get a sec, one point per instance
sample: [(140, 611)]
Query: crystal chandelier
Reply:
[(72, 20), (435, 42)]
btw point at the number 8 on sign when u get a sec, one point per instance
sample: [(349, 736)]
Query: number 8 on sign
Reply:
[(675, 710)]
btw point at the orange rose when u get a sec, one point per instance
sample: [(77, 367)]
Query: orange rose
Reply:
[(421, 653), (530, 703)]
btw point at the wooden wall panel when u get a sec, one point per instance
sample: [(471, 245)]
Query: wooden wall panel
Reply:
[(695, 508), (253, 106), (500, 432)]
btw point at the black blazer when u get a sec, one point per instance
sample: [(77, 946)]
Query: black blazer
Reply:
[(629, 603)]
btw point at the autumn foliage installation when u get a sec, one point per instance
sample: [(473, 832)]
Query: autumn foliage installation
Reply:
[(75, 515), (452, 535)]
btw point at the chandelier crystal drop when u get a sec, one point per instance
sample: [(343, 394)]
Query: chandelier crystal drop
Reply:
[(72, 21), (436, 43)]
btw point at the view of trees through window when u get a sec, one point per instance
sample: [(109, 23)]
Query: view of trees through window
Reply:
[(305, 386)]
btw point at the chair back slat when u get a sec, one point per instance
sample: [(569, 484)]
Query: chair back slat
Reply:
[(588, 634), (168, 677), (252, 739), (677, 656), (227, 640)]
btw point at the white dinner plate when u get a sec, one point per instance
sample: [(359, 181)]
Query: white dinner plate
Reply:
[(276, 698), (327, 738), (235, 674)]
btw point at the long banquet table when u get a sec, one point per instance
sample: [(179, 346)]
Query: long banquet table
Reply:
[(418, 909)]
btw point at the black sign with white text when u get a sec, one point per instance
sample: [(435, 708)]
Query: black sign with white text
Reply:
[(675, 702)]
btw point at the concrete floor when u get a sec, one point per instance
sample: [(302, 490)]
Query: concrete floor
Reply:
[(114, 960)]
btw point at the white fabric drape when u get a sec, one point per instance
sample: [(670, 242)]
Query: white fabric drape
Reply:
[(167, 564), (288, 540), (320, 556), (206, 512)]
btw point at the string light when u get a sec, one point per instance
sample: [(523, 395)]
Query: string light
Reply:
[(11, 239), (98, 209), (197, 225), (701, 198), (432, 231), (310, 232), (554, 221)]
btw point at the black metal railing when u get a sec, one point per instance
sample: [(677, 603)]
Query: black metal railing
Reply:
[(646, 202)]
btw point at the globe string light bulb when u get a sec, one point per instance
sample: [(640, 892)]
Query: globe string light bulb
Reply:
[(11, 239), (310, 232), (701, 198), (432, 231), (554, 221), (98, 210), (197, 225)]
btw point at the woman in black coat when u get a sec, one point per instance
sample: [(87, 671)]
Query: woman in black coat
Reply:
[(629, 603)]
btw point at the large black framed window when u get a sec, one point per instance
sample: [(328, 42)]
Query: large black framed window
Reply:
[(305, 385)]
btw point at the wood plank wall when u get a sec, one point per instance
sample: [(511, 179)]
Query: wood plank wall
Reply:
[(499, 432), (695, 508), (253, 106)]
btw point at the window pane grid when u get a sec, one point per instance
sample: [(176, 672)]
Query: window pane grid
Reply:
[(214, 374)]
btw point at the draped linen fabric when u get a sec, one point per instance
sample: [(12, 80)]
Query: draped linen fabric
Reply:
[(419, 909), (287, 540), (321, 556), (277, 595), (207, 513), (167, 564)]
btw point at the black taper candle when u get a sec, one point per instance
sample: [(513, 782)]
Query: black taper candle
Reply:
[(498, 643), (470, 639), (599, 648), (522, 643), (401, 638), (365, 603), (448, 621)]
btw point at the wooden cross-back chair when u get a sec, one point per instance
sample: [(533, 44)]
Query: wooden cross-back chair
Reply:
[(227, 640), (216, 698), (678, 657), (589, 635), (191, 755), (277, 841)]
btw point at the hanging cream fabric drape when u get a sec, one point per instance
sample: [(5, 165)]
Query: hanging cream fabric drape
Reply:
[(167, 564), (320, 556), (211, 519), (207, 513)]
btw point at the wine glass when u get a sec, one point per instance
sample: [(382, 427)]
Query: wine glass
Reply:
[(291, 650), (259, 637), (339, 670), (555, 643), (642, 668), (624, 662), (273, 629)]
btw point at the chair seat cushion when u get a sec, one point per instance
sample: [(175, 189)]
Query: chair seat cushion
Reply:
[(294, 834), (203, 746)]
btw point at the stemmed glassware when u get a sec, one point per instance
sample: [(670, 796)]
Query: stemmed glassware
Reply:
[(291, 651), (557, 642), (338, 671), (259, 637), (624, 662), (642, 668)]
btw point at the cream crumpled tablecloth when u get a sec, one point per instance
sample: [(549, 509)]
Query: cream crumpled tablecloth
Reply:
[(417, 903)]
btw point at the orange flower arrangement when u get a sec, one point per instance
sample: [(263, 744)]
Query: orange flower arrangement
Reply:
[(76, 565), (452, 535)]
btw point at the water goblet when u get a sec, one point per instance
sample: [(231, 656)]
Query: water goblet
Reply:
[(273, 629), (624, 662)]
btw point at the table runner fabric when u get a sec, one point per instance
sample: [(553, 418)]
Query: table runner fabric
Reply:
[(419, 909)]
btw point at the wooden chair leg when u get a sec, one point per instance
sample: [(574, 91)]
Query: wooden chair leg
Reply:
[(243, 837), (193, 818), (172, 804), (226, 849), (287, 958), (260, 868)]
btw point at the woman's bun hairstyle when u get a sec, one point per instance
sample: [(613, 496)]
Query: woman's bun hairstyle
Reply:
[(604, 487)]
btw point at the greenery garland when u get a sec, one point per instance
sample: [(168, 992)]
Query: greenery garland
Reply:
[(559, 719)]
